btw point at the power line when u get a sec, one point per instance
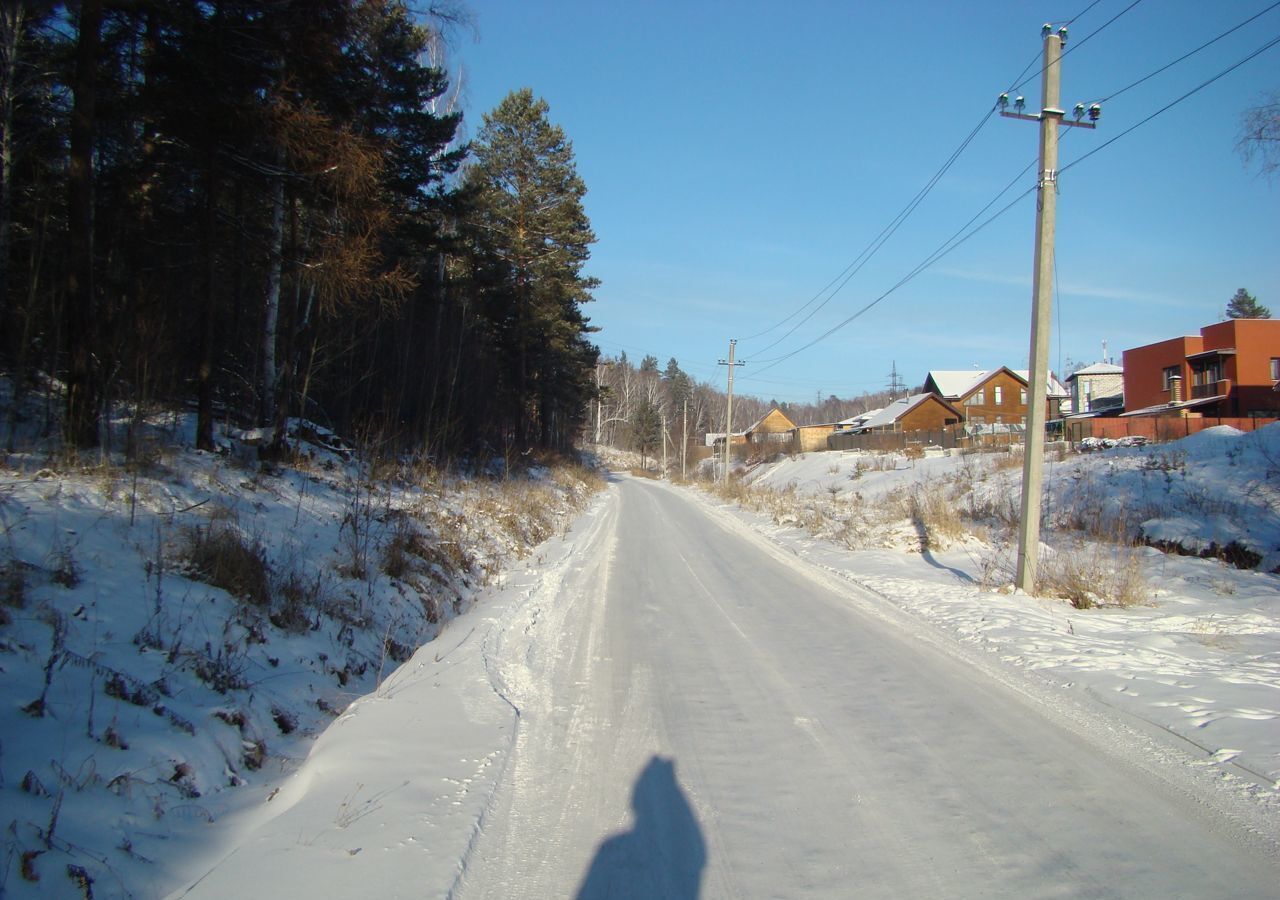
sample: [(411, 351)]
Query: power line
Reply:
[(1195, 90), (954, 241), (835, 285), (1188, 54), (1088, 37), (887, 232), (1082, 12), (942, 250), (947, 246)]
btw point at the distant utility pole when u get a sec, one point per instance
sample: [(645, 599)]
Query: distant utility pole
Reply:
[(664, 445), (684, 439), (728, 410), (1050, 117)]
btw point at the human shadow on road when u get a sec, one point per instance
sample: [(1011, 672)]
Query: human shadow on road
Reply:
[(663, 854)]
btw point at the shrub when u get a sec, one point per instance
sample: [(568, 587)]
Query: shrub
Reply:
[(404, 544), (13, 584), (1091, 573), (223, 557), (936, 517), (297, 602)]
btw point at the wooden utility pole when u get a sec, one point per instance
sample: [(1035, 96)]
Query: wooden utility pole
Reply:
[(728, 414), (1050, 117)]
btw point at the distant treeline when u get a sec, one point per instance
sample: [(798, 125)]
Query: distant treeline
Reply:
[(633, 402)]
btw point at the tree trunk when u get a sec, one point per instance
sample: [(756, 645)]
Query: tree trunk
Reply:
[(12, 22), (204, 369), (271, 317), (80, 426)]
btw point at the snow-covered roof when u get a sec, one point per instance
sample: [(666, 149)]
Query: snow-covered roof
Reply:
[(1055, 387), (956, 382), (854, 421), (893, 412), (1098, 369)]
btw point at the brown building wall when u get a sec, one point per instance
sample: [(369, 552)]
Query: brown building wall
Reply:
[(1144, 370), (1011, 410), (930, 415), (774, 423), (814, 437), (1256, 342)]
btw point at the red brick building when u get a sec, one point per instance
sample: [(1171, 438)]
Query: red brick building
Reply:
[(1230, 369)]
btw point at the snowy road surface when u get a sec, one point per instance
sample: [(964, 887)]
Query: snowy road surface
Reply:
[(776, 743), (700, 715)]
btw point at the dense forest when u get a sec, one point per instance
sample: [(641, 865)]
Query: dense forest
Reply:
[(263, 209)]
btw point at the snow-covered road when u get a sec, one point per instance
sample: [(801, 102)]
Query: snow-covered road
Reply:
[(701, 716), (669, 705)]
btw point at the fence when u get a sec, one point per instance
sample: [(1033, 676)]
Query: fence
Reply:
[(1157, 429), (951, 438)]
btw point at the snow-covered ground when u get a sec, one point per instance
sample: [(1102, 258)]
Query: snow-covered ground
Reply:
[(160, 732), (175, 635), (672, 705), (1198, 655)]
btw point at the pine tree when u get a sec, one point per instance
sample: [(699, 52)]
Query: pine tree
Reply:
[(529, 215), (646, 428), (679, 386), (1244, 305)]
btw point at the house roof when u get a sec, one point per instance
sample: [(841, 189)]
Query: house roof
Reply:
[(956, 383), (1173, 407), (1205, 354), (1055, 387), (1098, 369), (760, 421), (858, 419), (895, 411)]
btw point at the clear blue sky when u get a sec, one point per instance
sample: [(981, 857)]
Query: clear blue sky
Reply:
[(739, 155)]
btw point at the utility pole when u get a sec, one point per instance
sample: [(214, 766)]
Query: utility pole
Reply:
[(664, 445), (599, 398), (728, 414), (684, 439), (1050, 118)]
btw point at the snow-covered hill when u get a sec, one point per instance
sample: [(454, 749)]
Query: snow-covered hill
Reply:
[(175, 633)]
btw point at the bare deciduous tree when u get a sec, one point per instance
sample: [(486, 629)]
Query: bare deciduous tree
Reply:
[(1260, 134)]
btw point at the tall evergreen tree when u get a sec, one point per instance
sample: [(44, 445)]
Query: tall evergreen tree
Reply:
[(679, 386), (529, 214), (646, 428), (1244, 305)]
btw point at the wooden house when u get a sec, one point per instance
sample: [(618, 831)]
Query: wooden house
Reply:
[(993, 397), (773, 427), (921, 412)]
